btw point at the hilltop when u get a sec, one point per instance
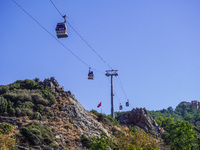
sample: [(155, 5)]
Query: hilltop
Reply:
[(26, 104), (42, 115)]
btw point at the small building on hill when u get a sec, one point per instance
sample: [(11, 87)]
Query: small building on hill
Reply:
[(194, 103)]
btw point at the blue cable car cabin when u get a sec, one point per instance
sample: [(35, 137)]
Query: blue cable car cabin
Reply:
[(90, 75), (120, 107), (61, 30), (127, 103)]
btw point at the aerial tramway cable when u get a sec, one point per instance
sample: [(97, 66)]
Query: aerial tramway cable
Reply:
[(56, 8), (66, 46), (51, 34), (83, 39), (123, 90)]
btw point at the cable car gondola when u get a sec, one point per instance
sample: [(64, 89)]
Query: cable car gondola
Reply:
[(120, 107), (90, 75), (127, 103), (61, 29)]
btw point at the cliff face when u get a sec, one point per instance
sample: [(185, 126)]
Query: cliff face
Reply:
[(72, 122), (72, 111), (141, 118)]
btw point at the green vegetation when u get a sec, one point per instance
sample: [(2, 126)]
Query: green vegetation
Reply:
[(31, 98), (133, 138), (181, 136), (105, 118), (129, 141), (36, 134), (25, 98), (182, 112), (181, 126), (6, 140), (97, 143), (6, 128)]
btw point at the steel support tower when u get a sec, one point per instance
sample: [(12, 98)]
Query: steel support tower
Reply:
[(112, 73)]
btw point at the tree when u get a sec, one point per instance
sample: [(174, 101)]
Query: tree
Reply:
[(6, 128), (170, 109), (3, 105), (6, 141), (3, 89), (101, 143), (188, 117), (159, 120), (137, 139), (167, 122), (181, 136)]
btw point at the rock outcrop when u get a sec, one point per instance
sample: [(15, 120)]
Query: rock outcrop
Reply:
[(141, 118), (73, 120)]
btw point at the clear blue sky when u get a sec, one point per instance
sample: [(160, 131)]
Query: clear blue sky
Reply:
[(154, 44)]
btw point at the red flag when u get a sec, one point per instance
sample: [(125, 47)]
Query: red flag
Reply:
[(99, 105)]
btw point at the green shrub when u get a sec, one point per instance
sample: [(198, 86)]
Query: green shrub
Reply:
[(27, 84), (35, 131), (47, 148), (37, 116), (29, 105), (36, 134), (15, 85), (39, 108), (54, 146), (17, 97), (26, 112), (32, 138), (105, 119), (101, 143), (12, 111), (46, 138), (6, 128), (113, 120), (3, 105), (37, 80), (18, 111), (18, 104), (38, 99), (24, 97), (51, 146), (94, 112), (3, 89), (132, 129), (10, 104), (10, 96), (46, 133), (46, 93), (85, 141), (23, 84)]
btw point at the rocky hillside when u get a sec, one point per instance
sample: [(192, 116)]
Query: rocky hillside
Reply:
[(44, 116), (141, 118)]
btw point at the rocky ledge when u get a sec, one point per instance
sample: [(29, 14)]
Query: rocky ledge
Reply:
[(141, 118)]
